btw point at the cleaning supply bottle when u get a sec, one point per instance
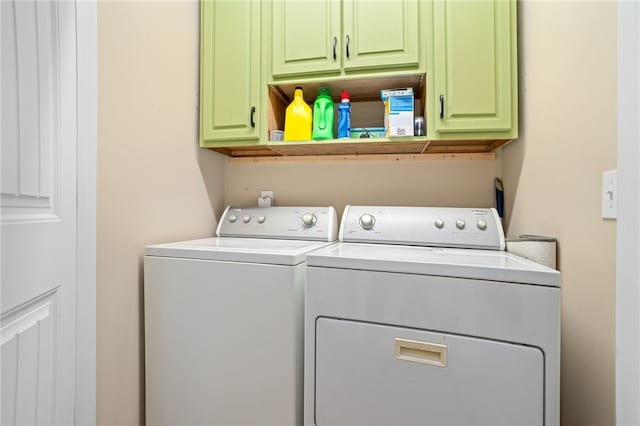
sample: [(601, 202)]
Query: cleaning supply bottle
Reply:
[(344, 116), (323, 115), (297, 119)]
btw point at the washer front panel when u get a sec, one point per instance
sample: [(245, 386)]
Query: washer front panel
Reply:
[(223, 342)]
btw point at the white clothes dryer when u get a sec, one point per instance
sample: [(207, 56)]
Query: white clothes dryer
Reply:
[(402, 330), (224, 319)]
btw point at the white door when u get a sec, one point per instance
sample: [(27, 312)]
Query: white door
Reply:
[(38, 210)]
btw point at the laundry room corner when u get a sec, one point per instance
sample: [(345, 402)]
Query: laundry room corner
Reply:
[(154, 183), (553, 176)]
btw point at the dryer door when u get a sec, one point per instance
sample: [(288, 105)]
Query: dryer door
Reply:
[(368, 374)]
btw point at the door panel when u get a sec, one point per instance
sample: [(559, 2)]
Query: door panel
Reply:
[(473, 68), (381, 34), (27, 362), (368, 374), (230, 70), (303, 37), (28, 134), (38, 211)]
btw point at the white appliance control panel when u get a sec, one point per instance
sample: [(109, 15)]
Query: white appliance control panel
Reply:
[(423, 226), (299, 223)]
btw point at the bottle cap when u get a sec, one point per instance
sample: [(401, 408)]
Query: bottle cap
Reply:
[(324, 91), (345, 96)]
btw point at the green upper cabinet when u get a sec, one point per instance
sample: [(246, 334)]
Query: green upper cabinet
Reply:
[(231, 72), (380, 34), (306, 34), (316, 38), (471, 70)]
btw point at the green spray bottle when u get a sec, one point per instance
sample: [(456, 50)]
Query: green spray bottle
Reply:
[(323, 115)]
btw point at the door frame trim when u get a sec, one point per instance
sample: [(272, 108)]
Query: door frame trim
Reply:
[(87, 92), (628, 226)]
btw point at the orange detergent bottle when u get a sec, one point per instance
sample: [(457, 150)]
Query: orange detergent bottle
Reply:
[(297, 119)]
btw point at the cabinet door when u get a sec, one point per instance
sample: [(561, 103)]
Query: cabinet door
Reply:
[(474, 45), (230, 70), (380, 34), (306, 37)]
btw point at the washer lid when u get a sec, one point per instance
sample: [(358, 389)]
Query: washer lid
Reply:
[(458, 263), (250, 250)]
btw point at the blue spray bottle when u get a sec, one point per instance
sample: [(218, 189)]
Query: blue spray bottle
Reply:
[(344, 116)]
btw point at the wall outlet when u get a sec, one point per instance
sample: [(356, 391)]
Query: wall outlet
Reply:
[(266, 199), (610, 194)]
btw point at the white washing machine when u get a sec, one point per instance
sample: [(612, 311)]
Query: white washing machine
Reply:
[(224, 319), (402, 331)]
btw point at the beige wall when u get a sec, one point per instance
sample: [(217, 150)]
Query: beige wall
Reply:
[(552, 176), (552, 179), (420, 183), (154, 183)]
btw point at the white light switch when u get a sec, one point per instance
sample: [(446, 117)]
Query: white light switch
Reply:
[(610, 194)]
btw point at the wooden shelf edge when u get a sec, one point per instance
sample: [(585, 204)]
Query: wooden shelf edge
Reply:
[(363, 157), (413, 150)]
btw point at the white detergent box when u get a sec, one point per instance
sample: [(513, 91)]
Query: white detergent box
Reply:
[(398, 111)]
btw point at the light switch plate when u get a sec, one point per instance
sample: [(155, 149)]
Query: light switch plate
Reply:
[(610, 194)]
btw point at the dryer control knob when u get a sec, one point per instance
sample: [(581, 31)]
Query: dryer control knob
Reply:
[(246, 218), (308, 220), (367, 221), (482, 225), (460, 224), (261, 219), (439, 223), (233, 218)]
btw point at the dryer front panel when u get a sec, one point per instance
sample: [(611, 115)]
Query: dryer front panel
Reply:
[(370, 374)]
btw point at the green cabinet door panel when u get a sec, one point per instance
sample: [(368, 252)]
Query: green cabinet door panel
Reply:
[(473, 66), (380, 34), (306, 37), (230, 70)]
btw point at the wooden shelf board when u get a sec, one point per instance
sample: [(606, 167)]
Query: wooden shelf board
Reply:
[(357, 149), (364, 157), (360, 89)]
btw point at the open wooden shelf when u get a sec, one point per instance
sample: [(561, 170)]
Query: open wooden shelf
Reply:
[(362, 92), (355, 148)]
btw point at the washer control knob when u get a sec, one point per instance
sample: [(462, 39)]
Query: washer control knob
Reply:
[(482, 225), (261, 219), (367, 221), (308, 220), (246, 218), (460, 224), (233, 218), (439, 223)]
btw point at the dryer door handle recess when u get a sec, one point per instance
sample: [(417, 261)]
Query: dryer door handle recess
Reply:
[(422, 352)]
